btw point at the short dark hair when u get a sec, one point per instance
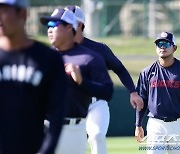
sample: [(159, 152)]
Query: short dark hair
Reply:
[(73, 30), (82, 28)]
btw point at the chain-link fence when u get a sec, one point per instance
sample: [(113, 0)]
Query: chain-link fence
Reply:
[(109, 17), (54, 2)]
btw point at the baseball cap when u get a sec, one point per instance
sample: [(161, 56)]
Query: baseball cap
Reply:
[(16, 3), (78, 12), (60, 14), (168, 36)]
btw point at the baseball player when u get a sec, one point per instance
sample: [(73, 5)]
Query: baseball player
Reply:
[(98, 115), (32, 85), (87, 76), (159, 86)]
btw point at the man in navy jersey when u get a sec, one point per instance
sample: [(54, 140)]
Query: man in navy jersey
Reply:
[(159, 86), (98, 115), (87, 76), (32, 86)]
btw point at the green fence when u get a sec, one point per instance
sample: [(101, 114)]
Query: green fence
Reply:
[(125, 17), (54, 2), (122, 115)]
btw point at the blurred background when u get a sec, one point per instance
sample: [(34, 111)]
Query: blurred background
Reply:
[(109, 17), (129, 28)]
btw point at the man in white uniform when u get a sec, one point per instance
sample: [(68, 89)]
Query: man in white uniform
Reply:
[(159, 86)]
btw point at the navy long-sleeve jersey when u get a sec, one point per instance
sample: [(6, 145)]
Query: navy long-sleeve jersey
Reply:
[(111, 61), (160, 89), (96, 81), (32, 84)]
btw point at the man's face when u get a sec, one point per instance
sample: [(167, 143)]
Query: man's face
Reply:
[(57, 34), (164, 49), (10, 20)]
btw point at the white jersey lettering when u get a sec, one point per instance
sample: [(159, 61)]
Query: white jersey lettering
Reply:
[(21, 73)]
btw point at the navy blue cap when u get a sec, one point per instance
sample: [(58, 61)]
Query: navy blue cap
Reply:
[(168, 36), (78, 12)]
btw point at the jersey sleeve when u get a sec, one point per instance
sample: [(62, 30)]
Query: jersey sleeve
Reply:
[(56, 104), (142, 89), (99, 85), (114, 64)]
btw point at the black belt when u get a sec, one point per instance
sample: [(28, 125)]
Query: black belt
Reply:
[(72, 121), (167, 120)]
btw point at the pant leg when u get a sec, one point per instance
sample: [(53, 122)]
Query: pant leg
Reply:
[(174, 142), (156, 132), (72, 140), (97, 125)]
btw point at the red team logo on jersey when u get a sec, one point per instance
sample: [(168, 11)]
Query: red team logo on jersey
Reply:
[(165, 83)]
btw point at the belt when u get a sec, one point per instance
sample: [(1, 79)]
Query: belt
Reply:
[(72, 121), (167, 120)]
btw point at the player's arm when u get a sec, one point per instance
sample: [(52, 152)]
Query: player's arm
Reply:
[(142, 90), (114, 64), (136, 101), (139, 132), (57, 84), (98, 84), (74, 71)]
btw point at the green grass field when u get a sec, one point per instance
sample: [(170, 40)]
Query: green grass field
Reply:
[(124, 46), (122, 145), (121, 45)]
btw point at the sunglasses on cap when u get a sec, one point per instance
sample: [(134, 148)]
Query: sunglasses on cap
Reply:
[(55, 23), (165, 44)]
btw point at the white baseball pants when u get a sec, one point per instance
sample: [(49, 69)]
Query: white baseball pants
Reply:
[(73, 139), (160, 135), (97, 124)]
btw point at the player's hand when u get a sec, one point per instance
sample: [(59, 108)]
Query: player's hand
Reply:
[(136, 101), (139, 133), (74, 71)]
